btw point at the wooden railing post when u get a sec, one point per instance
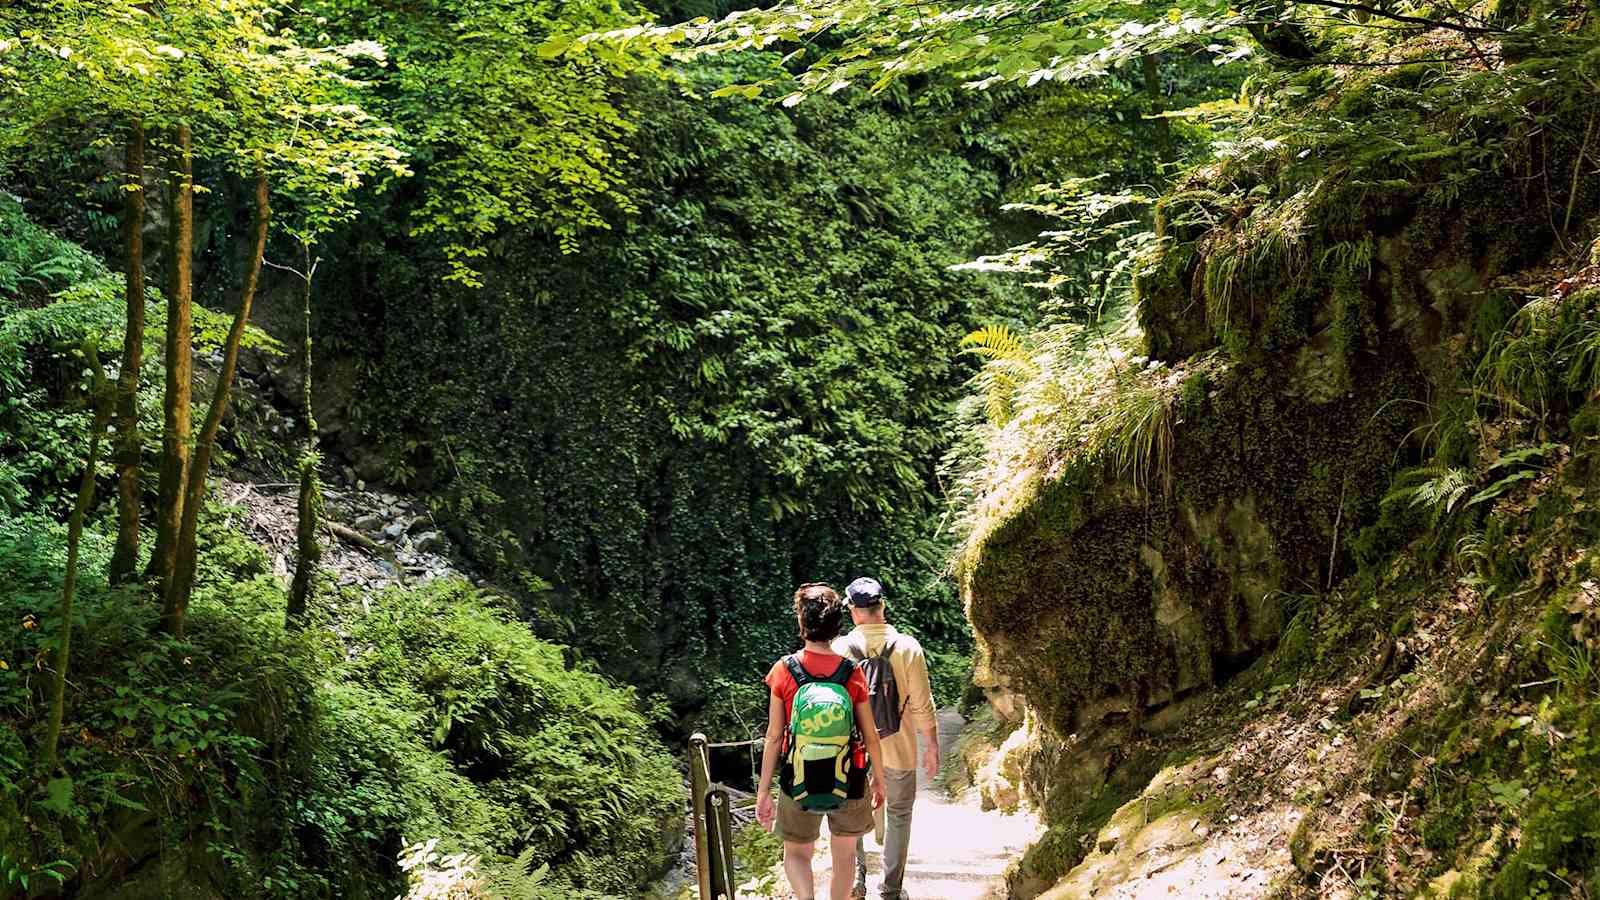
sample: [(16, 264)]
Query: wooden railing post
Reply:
[(719, 818), (699, 785)]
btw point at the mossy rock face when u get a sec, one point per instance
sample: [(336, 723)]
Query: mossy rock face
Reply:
[(188, 872), (1164, 842), (1273, 287), (1078, 784), (1099, 602), (1266, 250), (1346, 300)]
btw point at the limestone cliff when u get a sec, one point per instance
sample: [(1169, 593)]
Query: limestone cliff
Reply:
[(1390, 289)]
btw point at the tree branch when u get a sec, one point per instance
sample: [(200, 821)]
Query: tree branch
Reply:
[(1401, 17)]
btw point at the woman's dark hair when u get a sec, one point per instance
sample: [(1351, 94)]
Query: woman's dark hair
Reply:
[(820, 610)]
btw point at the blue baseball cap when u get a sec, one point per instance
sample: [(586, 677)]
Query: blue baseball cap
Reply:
[(864, 592)]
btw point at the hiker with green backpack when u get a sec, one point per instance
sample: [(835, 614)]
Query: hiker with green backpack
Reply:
[(821, 741)]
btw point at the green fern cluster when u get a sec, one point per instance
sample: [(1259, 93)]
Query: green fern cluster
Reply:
[(1442, 491), (1008, 366), (1437, 489), (521, 880), (34, 262)]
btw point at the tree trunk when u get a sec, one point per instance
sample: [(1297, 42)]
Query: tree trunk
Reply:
[(1163, 126), (307, 552), (179, 363), (69, 584), (181, 584), (125, 558)]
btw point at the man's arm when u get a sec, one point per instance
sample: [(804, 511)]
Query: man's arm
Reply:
[(919, 706), (770, 751), (869, 735)]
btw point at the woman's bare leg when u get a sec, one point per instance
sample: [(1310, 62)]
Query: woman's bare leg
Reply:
[(797, 865), (844, 866)]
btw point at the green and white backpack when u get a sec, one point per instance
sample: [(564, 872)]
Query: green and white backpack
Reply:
[(819, 762)]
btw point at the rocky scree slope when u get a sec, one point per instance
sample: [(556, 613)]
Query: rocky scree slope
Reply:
[(1320, 621), (374, 536)]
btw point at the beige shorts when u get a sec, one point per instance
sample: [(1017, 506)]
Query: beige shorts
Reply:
[(801, 827)]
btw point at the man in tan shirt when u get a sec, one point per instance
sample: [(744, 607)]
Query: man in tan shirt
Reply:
[(871, 637)]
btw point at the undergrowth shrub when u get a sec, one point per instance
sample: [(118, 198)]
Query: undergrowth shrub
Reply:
[(46, 319), (1558, 760), (1547, 358), (33, 261), (283, 765), (567, 762)]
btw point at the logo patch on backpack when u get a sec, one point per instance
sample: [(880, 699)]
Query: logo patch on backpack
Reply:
[(818, 764)]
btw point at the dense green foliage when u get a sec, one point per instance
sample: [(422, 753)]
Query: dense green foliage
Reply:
[(262, 763), (58, 297), (744, 386), (1262, 368), (501, 136), (300, 773), (773, 326)]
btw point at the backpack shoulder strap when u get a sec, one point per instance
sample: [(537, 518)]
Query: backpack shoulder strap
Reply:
[(796, 671), (857, 651), (887, 649), (842, 674)]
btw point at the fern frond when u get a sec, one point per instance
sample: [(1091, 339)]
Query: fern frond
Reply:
[(1008, 367), (997, 342), (57, 268), (520, 880), (1437, 489)]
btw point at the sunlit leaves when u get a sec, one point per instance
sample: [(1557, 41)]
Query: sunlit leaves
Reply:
[(506, 132), (878, 41), (1091, 225), (234, 72)]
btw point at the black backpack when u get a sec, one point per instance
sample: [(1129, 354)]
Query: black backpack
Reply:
[(885, 691)]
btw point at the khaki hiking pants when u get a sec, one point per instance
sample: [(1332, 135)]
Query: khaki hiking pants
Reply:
[(893, 832)]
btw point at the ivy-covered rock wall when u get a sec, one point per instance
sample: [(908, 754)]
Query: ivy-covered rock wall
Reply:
[(745, 387)]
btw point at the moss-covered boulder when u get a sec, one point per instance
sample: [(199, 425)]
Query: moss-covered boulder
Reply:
[(1164, 843), (1097, 599), (1314, 300)]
